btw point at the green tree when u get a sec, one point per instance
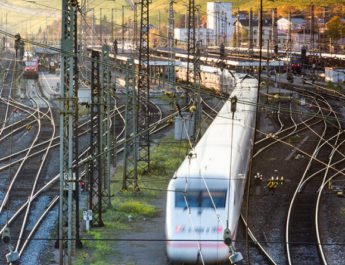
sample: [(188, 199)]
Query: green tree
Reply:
[(335, 28)]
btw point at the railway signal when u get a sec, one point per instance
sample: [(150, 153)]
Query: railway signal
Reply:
[(17, 40), (6, 238), (222, 51), (115, 46)]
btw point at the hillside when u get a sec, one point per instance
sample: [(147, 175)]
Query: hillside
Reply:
[(31, 16)]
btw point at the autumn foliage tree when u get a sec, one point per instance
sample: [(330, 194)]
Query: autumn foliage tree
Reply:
[(335, 28)]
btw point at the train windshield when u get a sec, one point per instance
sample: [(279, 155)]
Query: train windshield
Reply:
[(295, 60), (200, 198), (30, 63)]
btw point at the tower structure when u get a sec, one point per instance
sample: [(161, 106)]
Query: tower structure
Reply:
[(96, 135), (171, 44), (141, 154), (67, 107), (194, 50)]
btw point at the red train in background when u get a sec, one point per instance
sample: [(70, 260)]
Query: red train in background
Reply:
[(30, 69), (296, 65)]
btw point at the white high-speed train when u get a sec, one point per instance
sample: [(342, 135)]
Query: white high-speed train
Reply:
[(205, 194)]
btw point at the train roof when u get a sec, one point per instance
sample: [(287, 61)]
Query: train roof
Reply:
[(211, 156)]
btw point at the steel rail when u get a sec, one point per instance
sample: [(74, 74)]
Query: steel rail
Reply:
[(297, 190), (43, 160)]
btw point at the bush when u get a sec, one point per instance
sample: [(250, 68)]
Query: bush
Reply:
[(138, 208)]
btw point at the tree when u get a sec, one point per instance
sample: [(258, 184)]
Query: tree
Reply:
[(283, 10), (335, 28)]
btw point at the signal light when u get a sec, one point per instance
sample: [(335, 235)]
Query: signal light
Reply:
[(6, 236), (83, 185), (227, 237)]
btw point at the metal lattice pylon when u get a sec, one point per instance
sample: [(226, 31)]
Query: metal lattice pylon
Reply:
[(171, 45), (130, 145), (250, 32), (144, 89), (96, 163), (105, 84), (67, 107), (194, 49)]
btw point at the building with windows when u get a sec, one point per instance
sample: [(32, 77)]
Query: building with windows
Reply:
[(206, 36), (219, 19), (283, 25), (241, 27)]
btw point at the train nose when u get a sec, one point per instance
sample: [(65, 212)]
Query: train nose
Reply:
[(194, 253)]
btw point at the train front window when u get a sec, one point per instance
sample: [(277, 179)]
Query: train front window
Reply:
[(30, 63), (200, 199), (192, 198), (218, 198)]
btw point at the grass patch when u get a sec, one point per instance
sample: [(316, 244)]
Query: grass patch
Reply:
[(128, 207), (138, 208)]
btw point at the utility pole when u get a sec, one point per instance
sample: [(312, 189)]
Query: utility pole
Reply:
[(159, 22), (130, 143), (85, 39), (76, 61), (268, 69), (251, 32), (67, 105), (312, 27), (185, 19), (93, 27), (6, 27), (289, 33), (274, 31), (96, 135), (217, 27), (100, 27), (194, 49), (135, 25), (171, 45), (260, 27), (238, 28), (144, 88), (188, 28), (123, 28), (112, 25), (105, 86), (141, 153), (225, 29)]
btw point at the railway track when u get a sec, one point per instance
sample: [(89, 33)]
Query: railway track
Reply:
[(308, 124), (302, 218), (27, 176)]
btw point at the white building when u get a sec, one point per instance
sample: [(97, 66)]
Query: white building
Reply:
[(334, 74), (219, 19), (202, 34), (283, 25)]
